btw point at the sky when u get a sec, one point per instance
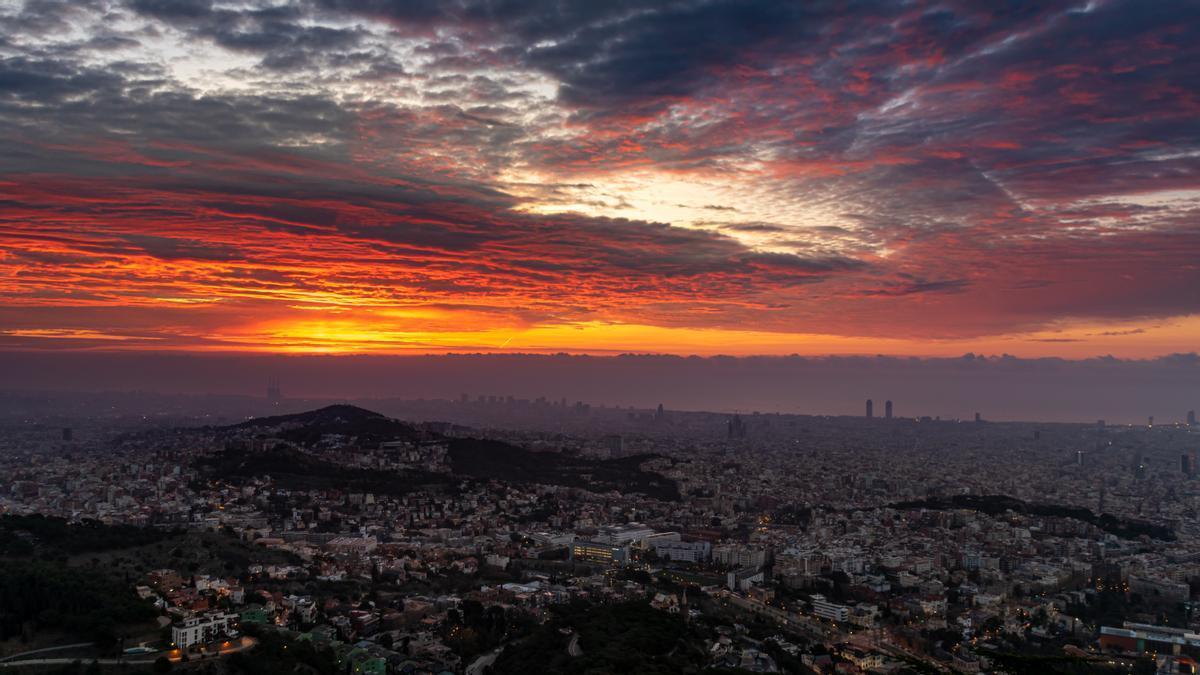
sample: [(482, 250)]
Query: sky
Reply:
[(695, 177)]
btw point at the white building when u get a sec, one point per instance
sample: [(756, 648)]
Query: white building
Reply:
[(829, 610), (743, 579), (200, 629), (687, 551), (632, 533)]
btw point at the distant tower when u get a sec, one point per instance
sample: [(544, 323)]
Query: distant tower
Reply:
[(1150, 421), (68, 435), (1191, 417), (887, 409), (870, 408), (978, 419), (273, 393), (658, 414), (1185, 464), (735, 427)]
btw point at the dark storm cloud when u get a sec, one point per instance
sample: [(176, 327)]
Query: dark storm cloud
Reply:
[(169, 248), (45, 81), (915, 287), (277, 32)]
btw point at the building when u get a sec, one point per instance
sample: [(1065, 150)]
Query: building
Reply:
[(870, 408), (254, 615), (1140, 637), (737, 555), (274, 393), (829, 610), (683, 551), (201, 629), (887, 409), (1158, 588), (599, 552), (1183, 665), (862, 659), (742, 579), (614, 443), (631, 533), (1191, 418), (735, 427), (551, 539)]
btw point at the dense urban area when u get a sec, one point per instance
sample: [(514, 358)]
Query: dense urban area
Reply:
[(490, 534)]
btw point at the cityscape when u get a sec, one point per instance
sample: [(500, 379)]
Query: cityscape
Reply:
[(504, 535), (599, 337)]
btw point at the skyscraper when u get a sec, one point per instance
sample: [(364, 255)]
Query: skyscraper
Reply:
[(870, 408), (274, 396), (735, 427), (1191, 418), (887, 409)]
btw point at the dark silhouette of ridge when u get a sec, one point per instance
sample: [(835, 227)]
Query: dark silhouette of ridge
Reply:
[(477, 458), (341, 419)]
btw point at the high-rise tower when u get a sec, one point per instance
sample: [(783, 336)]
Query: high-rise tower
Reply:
[(274, 396)]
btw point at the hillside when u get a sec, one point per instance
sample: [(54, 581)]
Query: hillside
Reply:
[(995, 505), (468, 457), (295, 470), (487, 459)]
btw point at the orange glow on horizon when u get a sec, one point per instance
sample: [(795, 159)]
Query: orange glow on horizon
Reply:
[(431, 332)]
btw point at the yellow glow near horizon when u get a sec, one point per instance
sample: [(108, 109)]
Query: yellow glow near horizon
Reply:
[(384, 334)]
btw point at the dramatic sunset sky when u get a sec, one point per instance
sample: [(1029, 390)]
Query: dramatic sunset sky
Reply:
[(690, 177)]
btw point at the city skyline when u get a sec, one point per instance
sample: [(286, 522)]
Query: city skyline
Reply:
[(701, 177), (1002, 388)]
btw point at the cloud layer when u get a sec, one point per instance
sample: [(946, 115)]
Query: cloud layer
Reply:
[(331, 175)]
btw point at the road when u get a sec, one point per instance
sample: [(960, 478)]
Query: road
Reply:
[(44, 650), (141, 659), (484, 661)]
